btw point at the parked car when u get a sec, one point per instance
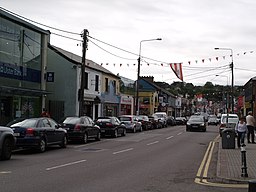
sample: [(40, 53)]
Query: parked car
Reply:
[(131, 123), (155, 122), (162, 117), (81, 129), (7, 142), (213, 120), (111, 126), (145, 122), (228, 121), (39, 133), (181, 120), (15, 121), (196, 122), (171, 121)]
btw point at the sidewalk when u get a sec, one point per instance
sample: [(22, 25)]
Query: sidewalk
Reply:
[(229, 163)]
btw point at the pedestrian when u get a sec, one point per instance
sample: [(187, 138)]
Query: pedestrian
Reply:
[(241, 130), (45, 113), (250, 123)]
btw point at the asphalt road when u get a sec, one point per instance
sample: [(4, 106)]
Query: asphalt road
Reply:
[(160, 160)]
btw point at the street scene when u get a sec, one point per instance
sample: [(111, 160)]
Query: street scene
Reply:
[(131, 96)]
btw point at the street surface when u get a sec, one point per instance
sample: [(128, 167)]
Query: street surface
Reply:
[(162, 160)]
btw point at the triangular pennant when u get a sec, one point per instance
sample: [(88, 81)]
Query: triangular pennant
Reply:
[(177, 69)]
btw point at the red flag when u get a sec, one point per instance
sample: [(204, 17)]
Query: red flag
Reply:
[(177, 69)]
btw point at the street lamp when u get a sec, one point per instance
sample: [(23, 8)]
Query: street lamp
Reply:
[(232, 76), (227, 98), (138, 75)]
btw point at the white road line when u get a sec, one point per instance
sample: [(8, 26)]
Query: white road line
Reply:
[(179, 133), (153, 143), (64, 165), (5, 172), (125, 150), (170, 137)]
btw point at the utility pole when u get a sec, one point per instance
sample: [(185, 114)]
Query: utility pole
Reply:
[(82, 82)]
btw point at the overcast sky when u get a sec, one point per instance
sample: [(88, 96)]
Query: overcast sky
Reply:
[(190, 30)]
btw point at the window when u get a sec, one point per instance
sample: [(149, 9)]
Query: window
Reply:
[(106, 84), (114, 85), (96, 82)]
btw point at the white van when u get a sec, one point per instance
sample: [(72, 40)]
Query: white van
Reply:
[(162, 117), (228, 121)]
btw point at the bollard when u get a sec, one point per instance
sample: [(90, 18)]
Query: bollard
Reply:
[(252, 186), (244, 165)]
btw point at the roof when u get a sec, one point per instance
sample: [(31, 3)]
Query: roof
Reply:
[(17, 19), (76, 59)]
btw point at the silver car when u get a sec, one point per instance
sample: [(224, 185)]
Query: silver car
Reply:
[(7, 143)]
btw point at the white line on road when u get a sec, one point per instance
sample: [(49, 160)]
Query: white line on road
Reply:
[(5, 172), (64, 165), (125, 150), (153, 143), (179, 133), (170, 137)]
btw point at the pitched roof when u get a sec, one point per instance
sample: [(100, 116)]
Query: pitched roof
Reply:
[(76, 59)]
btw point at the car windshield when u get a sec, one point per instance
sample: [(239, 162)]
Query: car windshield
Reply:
[(125, 118), (71, 120), (231, 119), (26, 123), (159, 115), (142, 118), (196, 118), (103, 120)]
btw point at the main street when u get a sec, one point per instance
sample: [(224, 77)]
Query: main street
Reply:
[(160, 160)]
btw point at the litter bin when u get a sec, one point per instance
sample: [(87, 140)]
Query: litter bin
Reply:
[(228, 138)]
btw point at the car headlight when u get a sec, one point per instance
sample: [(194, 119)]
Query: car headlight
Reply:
[(188, 123), (202, 124)]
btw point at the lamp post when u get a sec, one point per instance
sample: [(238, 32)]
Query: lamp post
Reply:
[(138, 74), (232, 76), (227, 98)]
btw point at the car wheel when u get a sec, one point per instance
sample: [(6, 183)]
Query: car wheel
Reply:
[(64, 142), (6, 149), (134, 129), (141, 129), (115, 134), (42, 146), (98, 137), (85, 138)]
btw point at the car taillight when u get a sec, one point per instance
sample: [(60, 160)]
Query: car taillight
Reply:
[(109, 124), (77, 128), (223, 125), (30, 132)]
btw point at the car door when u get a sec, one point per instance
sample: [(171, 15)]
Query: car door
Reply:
[(87, 126), (118, 125), (93, 128), (47, 130), (57, 132)]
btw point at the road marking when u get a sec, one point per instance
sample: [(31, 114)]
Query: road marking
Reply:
[(155, 142), (122, 151), (179, 133), (205, 165), (170, 137), (65, 165), (5, 172)]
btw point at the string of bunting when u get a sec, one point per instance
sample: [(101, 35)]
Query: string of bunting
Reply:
[(217, 58)]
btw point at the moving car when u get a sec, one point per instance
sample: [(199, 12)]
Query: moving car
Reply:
[(39, 133), (111, 126), (131, 123), (81, 129), (213, 120), (228, 121), (196, 122), (7, 143), (162, 117), (181, 120), (145, 122)]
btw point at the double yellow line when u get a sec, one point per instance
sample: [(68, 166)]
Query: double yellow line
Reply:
[(201, 176)]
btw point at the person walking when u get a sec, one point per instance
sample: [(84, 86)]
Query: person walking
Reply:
[(241, 130), (250, 123), (45, 113)]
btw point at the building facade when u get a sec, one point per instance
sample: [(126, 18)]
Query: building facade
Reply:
[(23, 60)]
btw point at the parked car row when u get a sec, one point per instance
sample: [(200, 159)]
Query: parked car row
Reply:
[(39, 133)]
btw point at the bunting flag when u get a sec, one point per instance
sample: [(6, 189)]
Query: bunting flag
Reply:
[(177, 69)]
